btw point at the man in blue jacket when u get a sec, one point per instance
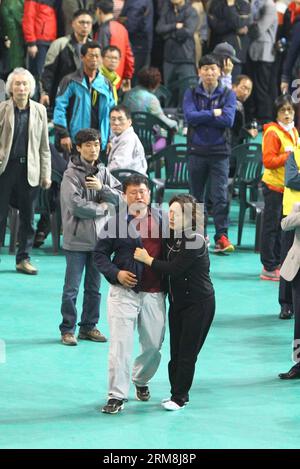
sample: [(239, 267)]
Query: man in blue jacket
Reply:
[(209, 110), (84, 100)]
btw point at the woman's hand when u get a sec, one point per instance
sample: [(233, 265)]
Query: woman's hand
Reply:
[(142, 256)]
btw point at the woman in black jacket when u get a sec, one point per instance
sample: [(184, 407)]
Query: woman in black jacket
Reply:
[(191, 294)]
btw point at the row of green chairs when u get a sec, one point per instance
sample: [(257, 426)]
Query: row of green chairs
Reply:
[(172, 161)]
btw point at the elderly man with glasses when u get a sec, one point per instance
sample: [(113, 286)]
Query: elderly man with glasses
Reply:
[(127, 151)]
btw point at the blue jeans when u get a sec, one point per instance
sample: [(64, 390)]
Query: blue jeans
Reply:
[(36, 65), (216, 169), (76, 262)]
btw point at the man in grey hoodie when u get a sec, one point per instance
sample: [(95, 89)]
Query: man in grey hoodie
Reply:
[(88, 190)]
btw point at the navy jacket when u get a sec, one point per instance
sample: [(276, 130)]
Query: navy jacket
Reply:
[(122, 245), (225, 21), (209, 134), (139, 23), (179, 46), (291, 65)]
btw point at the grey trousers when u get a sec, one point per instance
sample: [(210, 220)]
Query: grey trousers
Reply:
[(126, 310)]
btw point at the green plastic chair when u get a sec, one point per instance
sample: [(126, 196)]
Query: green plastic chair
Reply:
[(248, 175)]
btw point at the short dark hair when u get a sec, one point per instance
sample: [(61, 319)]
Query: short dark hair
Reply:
[(87, 135), (281, 101), (184, 199), (81, 11), (135, 180), (110, 49), (121, 108), (240, 78), (149, 77), (89, 45), (107, 6), (209, 59)]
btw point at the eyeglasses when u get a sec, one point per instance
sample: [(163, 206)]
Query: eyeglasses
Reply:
[(111, 57), (285, 109), (118, 119), (93, 56)]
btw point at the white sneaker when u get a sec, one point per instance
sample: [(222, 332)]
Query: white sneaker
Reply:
[(171, 405), (166, 399)]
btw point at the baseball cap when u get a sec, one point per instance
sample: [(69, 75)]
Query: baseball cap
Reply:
[(224, 49)]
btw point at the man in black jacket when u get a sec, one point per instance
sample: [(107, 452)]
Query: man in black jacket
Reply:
[(177, 25), (135, 295), (229, 21), (63, 56)]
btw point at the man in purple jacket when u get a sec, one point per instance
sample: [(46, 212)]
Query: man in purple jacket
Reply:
[(209, 110)]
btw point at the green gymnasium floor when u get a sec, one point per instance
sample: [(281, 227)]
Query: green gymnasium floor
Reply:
[(50, 394)]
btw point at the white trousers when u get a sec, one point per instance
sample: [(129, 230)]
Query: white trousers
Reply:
[(126, 309)]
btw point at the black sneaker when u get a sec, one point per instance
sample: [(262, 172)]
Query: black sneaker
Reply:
[(113, 406), (39, 239), (142, 393), (286, 312)]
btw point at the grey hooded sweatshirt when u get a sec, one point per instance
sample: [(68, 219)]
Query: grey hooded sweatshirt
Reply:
[(85, 211)]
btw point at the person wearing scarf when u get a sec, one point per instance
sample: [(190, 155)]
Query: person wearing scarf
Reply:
[(111, 56)]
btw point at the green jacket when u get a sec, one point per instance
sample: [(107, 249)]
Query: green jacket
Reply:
[(11, 14)]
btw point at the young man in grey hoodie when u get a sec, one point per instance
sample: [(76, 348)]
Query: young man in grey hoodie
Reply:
[(87, 191)]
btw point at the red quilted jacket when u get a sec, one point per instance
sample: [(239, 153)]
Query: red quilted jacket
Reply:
[(39, 21)]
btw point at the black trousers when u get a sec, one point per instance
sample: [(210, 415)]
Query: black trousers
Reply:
[(285, 288), (260, 103), (142, 59), (271, 230), (189, 325), (296, 306), (14, 182)]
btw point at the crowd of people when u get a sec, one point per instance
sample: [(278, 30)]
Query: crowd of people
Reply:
[(83, 67)]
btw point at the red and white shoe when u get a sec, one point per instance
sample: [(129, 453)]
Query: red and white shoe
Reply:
[(223, 245), (273, 275)]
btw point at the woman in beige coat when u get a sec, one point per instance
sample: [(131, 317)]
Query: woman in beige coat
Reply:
[(290, 271)]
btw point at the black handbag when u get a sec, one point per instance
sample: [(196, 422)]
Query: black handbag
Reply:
[(292, 175)]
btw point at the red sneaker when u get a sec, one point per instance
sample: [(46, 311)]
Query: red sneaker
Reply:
[(223, 245)]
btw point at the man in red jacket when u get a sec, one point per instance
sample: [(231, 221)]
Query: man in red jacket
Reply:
[(40, 29), (112, 33)]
